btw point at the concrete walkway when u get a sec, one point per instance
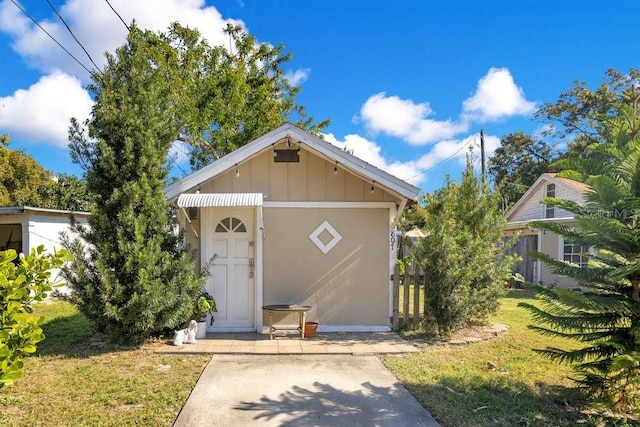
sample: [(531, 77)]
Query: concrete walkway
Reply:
[(300, 390), (369, 343)]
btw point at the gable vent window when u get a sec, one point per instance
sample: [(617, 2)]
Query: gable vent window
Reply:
[(286, 156), (549, 211)]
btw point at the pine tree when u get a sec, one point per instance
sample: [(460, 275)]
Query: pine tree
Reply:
[(463, 255), (131, 278), (606, 319)]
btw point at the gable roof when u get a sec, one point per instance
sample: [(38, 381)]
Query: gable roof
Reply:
[(576, 185), (550, 178), (307, 141)]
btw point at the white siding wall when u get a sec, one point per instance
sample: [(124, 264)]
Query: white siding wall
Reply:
[(44, 229), (532, 209)]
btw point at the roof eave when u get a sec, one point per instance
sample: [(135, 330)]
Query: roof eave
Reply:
[(17, 210)]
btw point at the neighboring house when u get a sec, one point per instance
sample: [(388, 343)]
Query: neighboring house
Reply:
[(24, 228), (410, 239), (527, 209), (292, 219)]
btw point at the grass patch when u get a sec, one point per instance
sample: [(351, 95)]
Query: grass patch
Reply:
[(500, 382), (64, 327), (411, 300), (76, 379)]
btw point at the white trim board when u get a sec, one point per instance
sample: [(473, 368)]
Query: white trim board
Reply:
[(331, 205)]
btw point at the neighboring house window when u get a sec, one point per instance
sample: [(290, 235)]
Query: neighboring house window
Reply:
[(551, 192), (572, 253)]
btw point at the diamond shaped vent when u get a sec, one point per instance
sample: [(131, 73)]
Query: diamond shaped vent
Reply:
[(315, 237)]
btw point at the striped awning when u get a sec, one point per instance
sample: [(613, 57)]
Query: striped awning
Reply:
[(219, 200)]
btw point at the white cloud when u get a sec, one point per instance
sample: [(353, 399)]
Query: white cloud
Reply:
[(42, 112), (445, 152), (296, 77), (370, 152), (417, 171), (12, 20), (407, 120), (496, 97), (99, 29)]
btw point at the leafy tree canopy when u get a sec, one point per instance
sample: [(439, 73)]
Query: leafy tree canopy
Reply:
[(578, 114), (241, 93), (517, 163), (223, 98), (24, 182)]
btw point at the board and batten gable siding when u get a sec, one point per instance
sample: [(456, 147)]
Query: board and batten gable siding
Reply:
[(310, 179), (532, 209)]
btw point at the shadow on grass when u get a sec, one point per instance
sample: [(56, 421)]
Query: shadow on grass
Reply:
[(471, 401), (70, 335), (63, 335)]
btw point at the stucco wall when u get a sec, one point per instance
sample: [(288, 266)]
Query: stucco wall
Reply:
[(347, 286)]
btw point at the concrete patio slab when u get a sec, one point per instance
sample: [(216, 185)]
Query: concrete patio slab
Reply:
[(370, 343)]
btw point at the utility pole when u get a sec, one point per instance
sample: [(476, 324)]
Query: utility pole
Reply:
[(482, 166)]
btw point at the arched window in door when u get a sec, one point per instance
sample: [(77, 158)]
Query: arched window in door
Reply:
[(231, 225)]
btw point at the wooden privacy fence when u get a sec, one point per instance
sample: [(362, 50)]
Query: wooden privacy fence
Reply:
[(408, 300)]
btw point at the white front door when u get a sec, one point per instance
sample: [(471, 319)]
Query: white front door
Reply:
[(229, 237)]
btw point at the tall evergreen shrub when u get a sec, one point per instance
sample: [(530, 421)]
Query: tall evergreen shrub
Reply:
[(463, 255), (129, 274)]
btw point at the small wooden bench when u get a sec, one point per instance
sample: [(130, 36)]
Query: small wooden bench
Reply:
[(286, 308)]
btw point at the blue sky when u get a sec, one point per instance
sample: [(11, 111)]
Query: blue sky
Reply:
[(407, 84)]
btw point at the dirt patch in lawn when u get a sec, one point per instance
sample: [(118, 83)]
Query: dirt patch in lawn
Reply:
[(470, 334)]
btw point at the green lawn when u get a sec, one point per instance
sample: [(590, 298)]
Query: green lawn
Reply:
[(75, 379), (500, 382)]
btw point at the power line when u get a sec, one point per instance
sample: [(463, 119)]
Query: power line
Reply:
[(73, 35), (441, 161), (50, 36), (116, 12)]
